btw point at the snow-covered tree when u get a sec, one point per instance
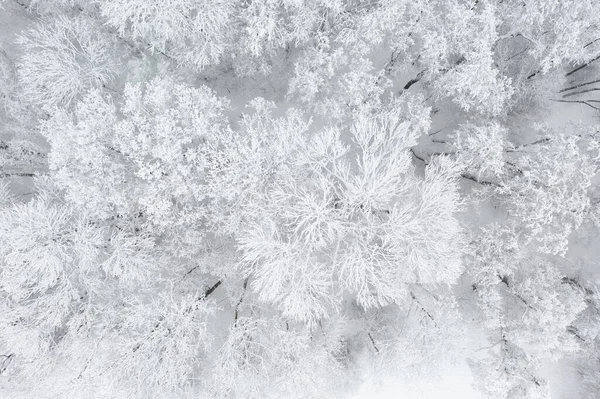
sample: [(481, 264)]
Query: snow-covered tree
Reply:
[(527, 309), (287, 198), (194, 32), (148, 147), (345, 213), (63, 58)]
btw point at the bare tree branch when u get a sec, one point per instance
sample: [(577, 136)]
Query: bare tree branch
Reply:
[(581, 92), (578, 102), (579, 85), (579, 68), (17, 174), (240, 301)]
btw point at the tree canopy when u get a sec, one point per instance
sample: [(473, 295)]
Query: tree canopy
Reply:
[(292, 198)]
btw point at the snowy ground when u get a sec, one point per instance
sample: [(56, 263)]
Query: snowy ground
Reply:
[(456, 382)]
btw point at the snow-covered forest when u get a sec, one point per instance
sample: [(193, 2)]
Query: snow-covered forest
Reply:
[(300, 199)]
